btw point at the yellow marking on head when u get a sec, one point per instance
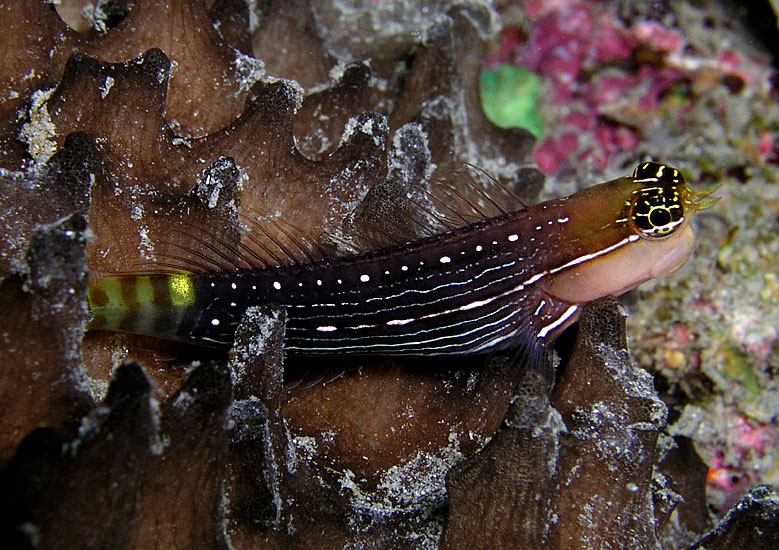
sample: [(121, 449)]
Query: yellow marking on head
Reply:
[(660, 206), (182, 289)]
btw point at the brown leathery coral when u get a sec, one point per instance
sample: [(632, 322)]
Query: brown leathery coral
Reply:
[(158, 132)]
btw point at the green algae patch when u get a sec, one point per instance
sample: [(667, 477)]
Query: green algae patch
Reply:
[(509, 97)]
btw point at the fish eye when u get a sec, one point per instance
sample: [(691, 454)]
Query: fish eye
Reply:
[(658, 209)]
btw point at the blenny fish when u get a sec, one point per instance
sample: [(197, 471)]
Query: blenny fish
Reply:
[(512, 281)]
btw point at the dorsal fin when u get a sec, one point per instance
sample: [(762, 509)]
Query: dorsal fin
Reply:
[(262, 241), (395, 212), (392, 213), (265, 242), (498, 194), (475, 194), (190, 249), (280, 241)]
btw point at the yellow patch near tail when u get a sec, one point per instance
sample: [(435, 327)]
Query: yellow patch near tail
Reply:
[(182, 289)]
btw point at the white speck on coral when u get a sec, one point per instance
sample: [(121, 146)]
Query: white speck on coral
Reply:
[(40, 132), (250, 70), (106, 87)]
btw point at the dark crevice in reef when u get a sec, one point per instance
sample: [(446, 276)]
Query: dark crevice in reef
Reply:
[(119, 160)]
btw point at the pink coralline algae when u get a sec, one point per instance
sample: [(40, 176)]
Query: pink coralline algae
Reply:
[(748, 445), (567, 41), (606, 78), (654, 33), (569, 38)]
